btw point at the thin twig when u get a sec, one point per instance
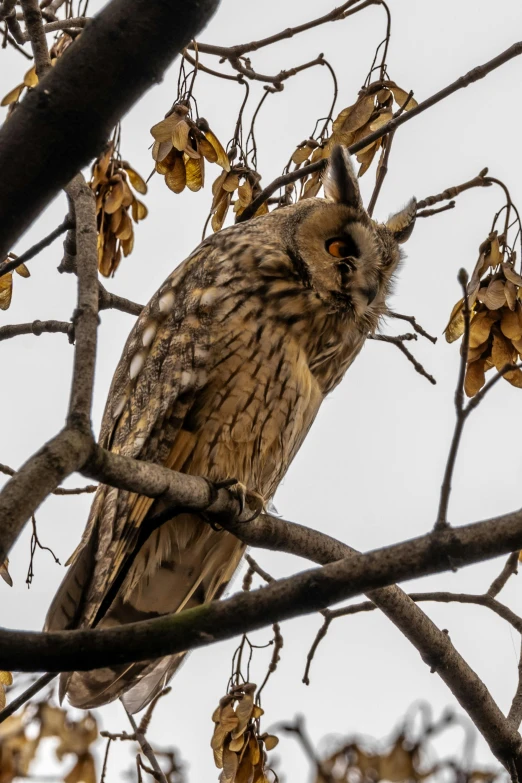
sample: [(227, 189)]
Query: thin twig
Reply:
[(510, 568), (399, 342), (26, 696), (411, 320), (110, 301), (37, 328), (515, 711), (429, 212), (9, 266), (461, 412), (342, 12), (7, 471), (146, 749), (63, 24), (381, 173)]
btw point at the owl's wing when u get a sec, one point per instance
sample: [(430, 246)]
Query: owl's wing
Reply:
[(161, 369)]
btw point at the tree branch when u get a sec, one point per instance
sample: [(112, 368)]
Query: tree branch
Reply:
[(35, 34), (123, 52), (37, 328), (9, 266)]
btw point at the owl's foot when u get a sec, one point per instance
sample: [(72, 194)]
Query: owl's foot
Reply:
[(246, 498)]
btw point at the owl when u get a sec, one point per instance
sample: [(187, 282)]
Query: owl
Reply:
[(222, 376)]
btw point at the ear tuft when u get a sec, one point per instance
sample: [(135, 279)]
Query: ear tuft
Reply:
[(340, 181), (401, 224)]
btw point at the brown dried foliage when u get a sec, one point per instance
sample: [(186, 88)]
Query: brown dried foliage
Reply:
[(495, 301), (20, 737), (6, 282), (373, 108), (116, 208), (239, 747)]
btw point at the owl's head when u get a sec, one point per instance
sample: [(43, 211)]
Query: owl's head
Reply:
[(350, 259)]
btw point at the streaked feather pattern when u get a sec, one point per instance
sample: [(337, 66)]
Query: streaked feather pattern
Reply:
[(221, 376)]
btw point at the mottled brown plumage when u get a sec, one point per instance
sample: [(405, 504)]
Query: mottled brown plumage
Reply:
[(222, 376)]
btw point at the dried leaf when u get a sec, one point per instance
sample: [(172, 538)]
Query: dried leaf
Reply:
[(23, 271), (301, 154), (360, 114), (231, 182), (128, 195), (480, 327), (475, 377), (270, 741), (83, 771), (4, 572), (13, 95), (30, 78), (163, 130), (244, 193), (6, 290), (494, 296), (139, 210), (219, 216), (244, 713), (207, 150), (510, 291), (180, 135), (230, 765), (222, 157), (502, 351), (381, 120), (115, 198), (125, 228), (366, 156), (176, 178), (341, 118), (514, 377), (195, 173), (127, 246), (312, 186), (137, 182), (511, 275), (401, 95), (511, 323), (455, 327), (115, 219), (494, 256), (52, 721), (160, 150)]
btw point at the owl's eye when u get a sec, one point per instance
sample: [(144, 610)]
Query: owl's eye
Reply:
[(342, 247)]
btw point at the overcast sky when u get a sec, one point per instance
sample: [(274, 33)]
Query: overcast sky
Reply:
[(370, 470)]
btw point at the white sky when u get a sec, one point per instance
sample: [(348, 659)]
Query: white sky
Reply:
[(370, 470)]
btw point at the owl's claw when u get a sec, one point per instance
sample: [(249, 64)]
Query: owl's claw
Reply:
[(245, 497)]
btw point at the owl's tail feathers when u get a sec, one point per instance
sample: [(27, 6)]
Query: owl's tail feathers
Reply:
[(137, 684)]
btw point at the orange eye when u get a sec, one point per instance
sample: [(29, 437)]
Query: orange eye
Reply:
[(342, 248)]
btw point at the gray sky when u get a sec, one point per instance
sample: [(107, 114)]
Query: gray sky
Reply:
[(369, 472)]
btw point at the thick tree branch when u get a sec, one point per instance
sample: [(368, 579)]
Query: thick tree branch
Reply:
[(36, 35), (122, 52)]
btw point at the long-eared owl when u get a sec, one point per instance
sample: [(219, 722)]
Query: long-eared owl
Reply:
[(222, 376)]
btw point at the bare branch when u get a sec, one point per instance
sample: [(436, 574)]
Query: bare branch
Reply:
[(9, 266), (89, 489), (461, 412), (37, 328), (515, 711), (36, 35), (146, 749), (399, 343), (63, 24), (510, 568), (411, 320), (110, 301)]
